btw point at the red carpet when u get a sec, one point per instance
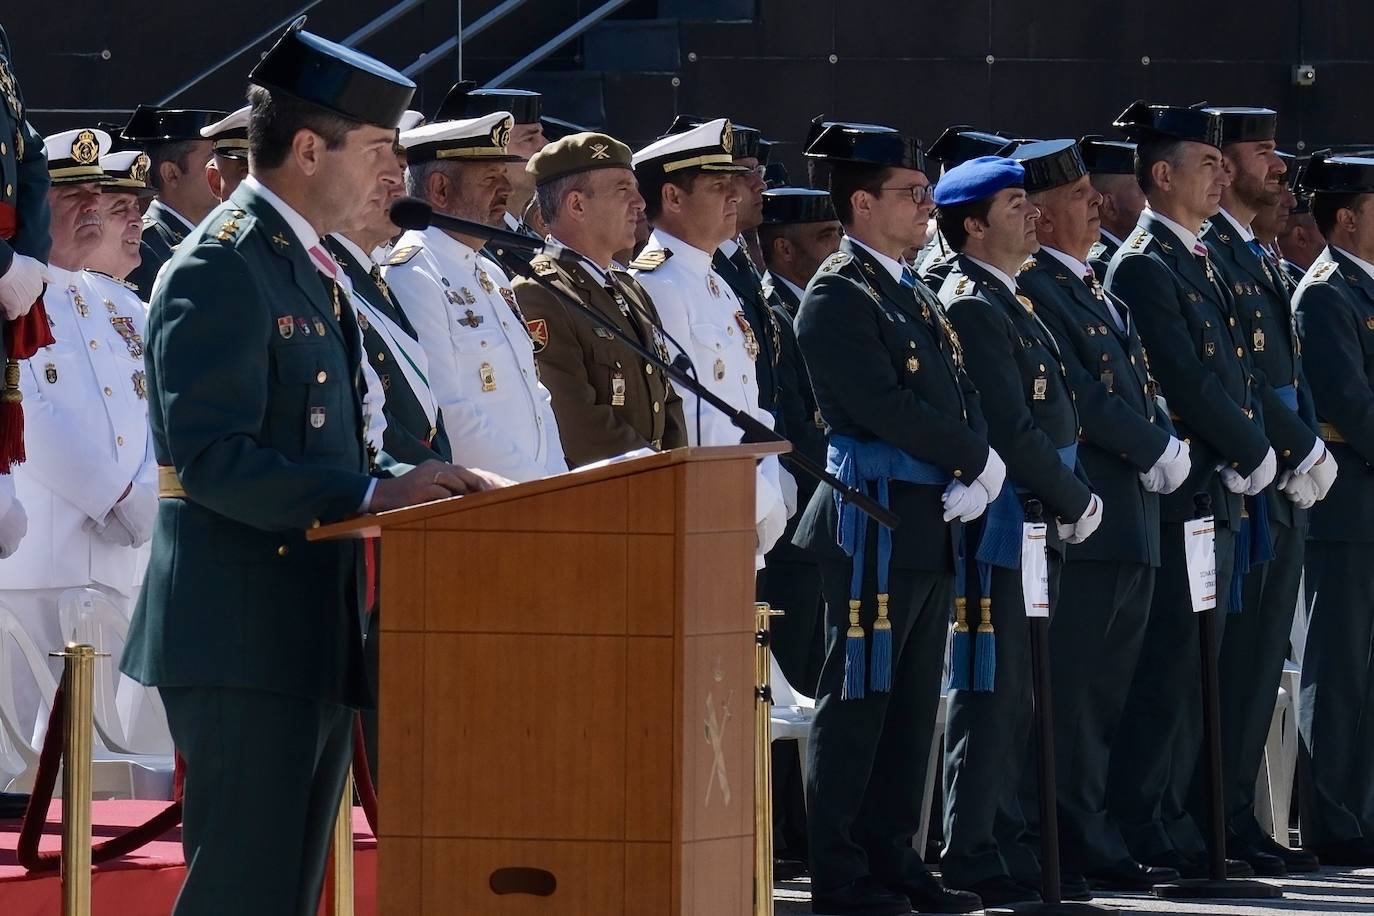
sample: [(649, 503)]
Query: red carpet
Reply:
[(145, 883)]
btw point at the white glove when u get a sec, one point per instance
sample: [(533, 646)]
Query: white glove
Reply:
[(788, 484), (1087, 522), (1323, 474), (14, 524), (137, 512), (1233, 481), (1301, 490), (1173, 459), (1178, 468), (21, 286), (1263, 475), (111, 530), (964, 503), (994, 474)]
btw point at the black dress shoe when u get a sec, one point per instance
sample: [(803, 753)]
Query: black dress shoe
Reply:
[(1201, 868), (1074, 887), (13, 804), (1347, 854), (1130, 875), (1002, 890), (1264, 864), (862, 897), (788, 869), (1172, 860), (929, 896), (1295, 860)]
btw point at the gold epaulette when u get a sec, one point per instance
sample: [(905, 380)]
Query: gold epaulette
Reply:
[(401, 255), (544, 266), (1026, 265), (652, 259)]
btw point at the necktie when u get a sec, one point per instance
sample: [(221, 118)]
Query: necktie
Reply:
[(908, 277)]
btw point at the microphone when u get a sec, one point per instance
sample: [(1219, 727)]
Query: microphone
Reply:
[(413, 213)]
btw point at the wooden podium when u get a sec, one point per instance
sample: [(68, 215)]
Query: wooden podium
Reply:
[(567, 693)]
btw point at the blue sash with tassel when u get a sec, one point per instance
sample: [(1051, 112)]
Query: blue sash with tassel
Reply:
[(1253, 544)]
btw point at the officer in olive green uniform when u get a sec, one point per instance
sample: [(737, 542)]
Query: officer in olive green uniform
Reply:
[(608, 400), (1128, 450), (901, 417), (1335, 306), (1256, 643), (250, 632), (1015, 362), (1187, 322), (167, 134)]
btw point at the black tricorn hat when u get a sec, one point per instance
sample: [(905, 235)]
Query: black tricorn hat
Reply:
[(1049, 163), (867, 145), (797, 205), (1142, 121), (1107, 157), (1242, 125), (150, 124), (324, 73), (465, 100), (1327, 173), (960, 143)]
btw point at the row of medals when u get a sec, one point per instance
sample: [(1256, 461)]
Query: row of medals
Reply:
[(124, 325)]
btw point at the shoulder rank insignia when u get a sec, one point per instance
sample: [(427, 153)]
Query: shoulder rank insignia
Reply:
[(652, 259), (402, 254), (963, 286), (1026, 265), (227, 230), (1323, 270), (544, 267), (836, 261)]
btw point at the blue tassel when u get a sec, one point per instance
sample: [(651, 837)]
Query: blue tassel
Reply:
[(853, 657), (1241, 567), (959, 648), (985, 651), (882, 649)]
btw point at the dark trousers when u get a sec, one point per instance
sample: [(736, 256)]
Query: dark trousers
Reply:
[(1338, 694), (798, 642), (987, 737), (264, 773), (868, 756), (1157, 748), (1095, 638), (1250, 669)]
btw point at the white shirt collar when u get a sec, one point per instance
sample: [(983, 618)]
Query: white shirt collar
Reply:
[(729, 247), (168, 207), (1363, 264), (1078, 268), (1186, 236), (511, 222), (1245, 234), (362, 257), (690, 256), (299, 225), (1109, 236), (792, 286), (1007, 280), (592, 269), (445, 245), (891, 265)]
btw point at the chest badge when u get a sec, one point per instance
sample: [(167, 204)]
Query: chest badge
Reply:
[(140, 380), (719, 370), (713, 286), (286, 327), (751, 343), (110, 306), (487, 376), (618, 389), (1040, 388), (472, 319), (50, 373), (82, 308), (913, 364), (304, 324), (484, 280), (461, 296), (317, 417), (1257, 340), (1369, 323), (1209, 348), (319, 324), (363, 323)]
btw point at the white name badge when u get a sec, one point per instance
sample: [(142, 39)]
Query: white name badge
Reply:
[(1200, 551), (1035, 569)]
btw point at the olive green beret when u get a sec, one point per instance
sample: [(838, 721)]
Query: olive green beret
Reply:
[(575, 153)]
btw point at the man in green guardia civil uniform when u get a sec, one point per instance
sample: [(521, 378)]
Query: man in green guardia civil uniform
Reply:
[(250, 633)]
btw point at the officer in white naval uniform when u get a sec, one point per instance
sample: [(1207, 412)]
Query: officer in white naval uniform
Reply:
[(89, 483), (498, 414), (687, 181)]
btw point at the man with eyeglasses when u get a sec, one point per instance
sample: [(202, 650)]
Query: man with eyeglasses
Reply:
[(902, 421)]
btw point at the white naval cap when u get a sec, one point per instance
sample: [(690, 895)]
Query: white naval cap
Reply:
[(483, 139), (230, 134), (74, 155), (708, 146), (128, 170), (410, 119)]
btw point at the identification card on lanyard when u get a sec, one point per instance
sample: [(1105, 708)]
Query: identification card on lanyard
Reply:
[(1200, 552), (1035, 569)]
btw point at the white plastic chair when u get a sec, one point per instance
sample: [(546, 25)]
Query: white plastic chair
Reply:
[(129, 718), (792, 714), (112, 775), (1274, 785)]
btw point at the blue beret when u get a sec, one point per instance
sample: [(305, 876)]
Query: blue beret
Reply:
[(978, 178)]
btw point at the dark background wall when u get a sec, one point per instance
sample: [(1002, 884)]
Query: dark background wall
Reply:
[(1029, 67)]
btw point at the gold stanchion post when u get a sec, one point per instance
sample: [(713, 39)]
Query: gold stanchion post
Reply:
[(343, 851), (763, 761), (78, 689)]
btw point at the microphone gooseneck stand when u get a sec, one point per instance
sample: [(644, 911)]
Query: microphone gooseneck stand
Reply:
[(412, 213)]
